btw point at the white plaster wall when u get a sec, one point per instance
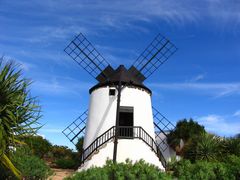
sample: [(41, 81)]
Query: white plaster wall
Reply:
[(102, 111), (99, 158), (102, 116), (141, 101), (134, 150)]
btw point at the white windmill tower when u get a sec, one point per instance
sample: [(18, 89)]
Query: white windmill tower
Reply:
[(121, 122)]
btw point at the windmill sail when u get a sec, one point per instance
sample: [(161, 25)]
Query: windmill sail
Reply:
[(157, 53), (77, 128), (162, 127), (83, 52), (104, 93)]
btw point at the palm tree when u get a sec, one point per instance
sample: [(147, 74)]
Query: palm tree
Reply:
[(19, 112)]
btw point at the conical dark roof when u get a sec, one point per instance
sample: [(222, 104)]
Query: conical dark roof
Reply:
[(127, 77)]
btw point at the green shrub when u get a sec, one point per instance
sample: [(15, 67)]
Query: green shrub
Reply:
[(232, 146), (139, 170), (222, 172), (59, 152), (66, 163), (38, 145), (228, 170), (182, 169), (233, 165), (65, 158), (31, 167), (203, 170)]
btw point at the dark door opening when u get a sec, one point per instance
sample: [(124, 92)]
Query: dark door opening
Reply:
[(126, 122)]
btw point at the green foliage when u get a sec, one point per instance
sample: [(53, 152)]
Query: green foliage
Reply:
[(185, 130), (227, 170), (38, 144), (59, 152), (31, 167), (231, 146), (211, 148), (65, 158), (139, 170), (7, 173), (58, 156), (79, 145), (66, 163), (233, 165), (182, 169), (203, 147), (171, 163), (237, 136), (18, 111), (205, 156)]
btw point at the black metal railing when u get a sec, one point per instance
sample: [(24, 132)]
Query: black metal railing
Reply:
[(102, 139), (125, 132)]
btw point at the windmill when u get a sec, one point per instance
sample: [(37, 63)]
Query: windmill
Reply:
[(121, 122)]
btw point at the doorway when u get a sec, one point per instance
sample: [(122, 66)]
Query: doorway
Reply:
[(126, 122)]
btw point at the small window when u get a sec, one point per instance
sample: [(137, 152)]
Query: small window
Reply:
[(112, 92)]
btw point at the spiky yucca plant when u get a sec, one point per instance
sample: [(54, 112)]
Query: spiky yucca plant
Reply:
[(19, 112), (204, 147)]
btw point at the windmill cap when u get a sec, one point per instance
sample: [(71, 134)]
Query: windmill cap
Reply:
[(111, 77)]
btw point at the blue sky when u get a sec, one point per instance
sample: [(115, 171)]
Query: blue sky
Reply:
[(200, 81)]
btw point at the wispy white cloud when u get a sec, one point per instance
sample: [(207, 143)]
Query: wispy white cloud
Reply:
[(99, 15), (210, 119), (26, 66), (221, 125), (60, 86), (237, 113), (214, 89), (67, 18), (54, 32), (119, 13), (51, 87), (196, 78)]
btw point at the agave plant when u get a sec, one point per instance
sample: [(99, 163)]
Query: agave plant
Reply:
[(204, 147), (19, 112)]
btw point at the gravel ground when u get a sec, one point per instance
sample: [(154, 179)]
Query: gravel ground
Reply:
[(59, 174)]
